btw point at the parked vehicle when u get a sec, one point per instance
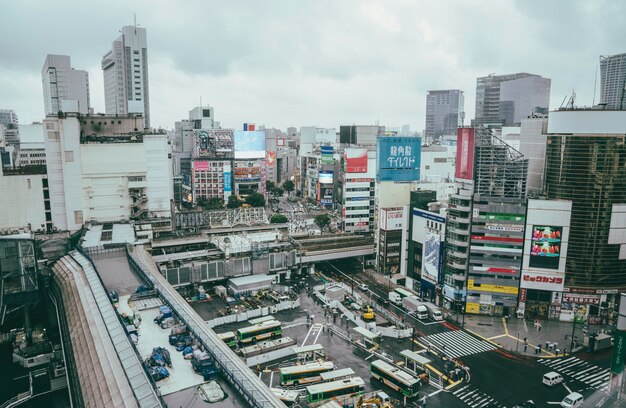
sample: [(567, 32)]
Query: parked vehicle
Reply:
[(552, 378), (395, 298), (205, 367), (434, 312)]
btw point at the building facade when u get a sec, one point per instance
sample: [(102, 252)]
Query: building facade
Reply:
[(125, 69), (502, 99), (212, 165), (358, 185), (445, 112), (64, 88), (613, 80)]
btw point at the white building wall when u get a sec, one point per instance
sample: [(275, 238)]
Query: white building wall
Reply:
[(25, 204), (158, 174)]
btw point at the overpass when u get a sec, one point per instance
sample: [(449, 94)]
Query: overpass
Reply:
[(235, 371), (329, 247)]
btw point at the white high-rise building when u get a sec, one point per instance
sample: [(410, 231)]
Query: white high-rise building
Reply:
[(125, 69), (64, 88), (613, 80)]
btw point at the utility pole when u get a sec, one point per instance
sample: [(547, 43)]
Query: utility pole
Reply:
[(517, 344), (571, 346)]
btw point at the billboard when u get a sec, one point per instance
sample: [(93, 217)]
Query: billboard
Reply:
[(431, 258), (398, 158), (391, 219), (465, 154), (249, 144), (213, 143), (356, 160), (270, 158), (228, 179), (325, 177), (545, 247), (327, 154), (542, 281)]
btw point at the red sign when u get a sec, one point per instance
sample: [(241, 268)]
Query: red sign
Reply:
[(542, 281), (356, 160), (522, 295), (270, 158), (497, 239), (465, 154)]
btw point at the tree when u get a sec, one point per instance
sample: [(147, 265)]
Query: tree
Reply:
[(289, 186), (269, 185), (322, 221), (202, 202), (256, 200), (233, 202), (277, 191), (278, 219), (214, 203)]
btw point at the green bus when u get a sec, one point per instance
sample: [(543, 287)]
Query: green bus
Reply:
[(403, 292), (395, 378), (305, 373), (260, 331), (229, 338), (349, 386)]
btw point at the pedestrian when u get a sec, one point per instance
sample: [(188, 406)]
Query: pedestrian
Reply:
[(539, 326), (525, 340), (525, 347)]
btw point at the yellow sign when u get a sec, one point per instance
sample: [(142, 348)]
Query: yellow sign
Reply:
[(486, 287), (472, 308)]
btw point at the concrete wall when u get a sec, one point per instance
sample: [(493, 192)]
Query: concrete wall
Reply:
[(21, 202)]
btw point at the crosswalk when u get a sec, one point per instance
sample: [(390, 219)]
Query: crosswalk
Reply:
[(581, 370), (457, 343), (475, 398)]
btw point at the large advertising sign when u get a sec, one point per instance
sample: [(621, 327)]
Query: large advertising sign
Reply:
[(213, 143), (356, 160), (398, 158), (325, 177), (228, 179), (431, 258), (270, 158), (542, 281), (327, 154), (465, 154), (391, 219), (545, 247), (249, 144)]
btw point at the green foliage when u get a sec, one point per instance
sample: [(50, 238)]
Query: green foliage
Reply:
[(256, 200), (289, 186), (278, 219), (277, 191), (233, 202), (322, 221)]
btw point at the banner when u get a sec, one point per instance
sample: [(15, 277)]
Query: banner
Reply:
[(465, 154), (356, 160)]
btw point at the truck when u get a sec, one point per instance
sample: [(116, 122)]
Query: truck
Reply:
[(415, 307), (434, 312), (395, 298)]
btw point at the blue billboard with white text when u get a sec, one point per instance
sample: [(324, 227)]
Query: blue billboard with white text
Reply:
[(398, 158)]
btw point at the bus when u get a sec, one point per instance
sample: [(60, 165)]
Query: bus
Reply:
[(229, 338), (404, 293), (395, 378), (305, 373), (260, 331), (261, 319), (349, 386)]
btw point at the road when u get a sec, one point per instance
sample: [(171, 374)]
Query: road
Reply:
[(498, 378)]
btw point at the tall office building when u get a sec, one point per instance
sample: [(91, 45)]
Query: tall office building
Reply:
[(444, 113), (506, 99), (64, 88), (125, 69), (585, 156), (613, 80), (8, 117)]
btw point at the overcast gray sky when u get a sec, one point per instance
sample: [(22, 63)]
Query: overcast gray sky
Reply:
[(321, 62)]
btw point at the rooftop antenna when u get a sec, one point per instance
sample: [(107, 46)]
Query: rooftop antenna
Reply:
[(135, 19)]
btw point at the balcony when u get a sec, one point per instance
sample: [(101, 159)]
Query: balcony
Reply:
[(456, 265), (455, 230), (457, 242), (459, 206), (462, 220)]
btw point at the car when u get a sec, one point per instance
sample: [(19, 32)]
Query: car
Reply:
[(573, 400), (362, 286), (552, 378)]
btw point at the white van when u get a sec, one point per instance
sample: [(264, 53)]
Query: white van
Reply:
[(573, 400), (552, 378)]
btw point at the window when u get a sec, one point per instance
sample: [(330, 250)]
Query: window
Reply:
[(78, 217), (69, 156), (54, 136)]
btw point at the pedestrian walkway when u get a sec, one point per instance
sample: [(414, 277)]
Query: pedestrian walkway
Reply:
[(475, 398), (457, 343), (581, 370)]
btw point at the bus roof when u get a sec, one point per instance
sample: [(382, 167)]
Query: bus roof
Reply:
[(365, 333), (336, 374), (403, 292), (226, 335), (261, 319), (316, 366), (259, 326), (335, 385), (403, 376)]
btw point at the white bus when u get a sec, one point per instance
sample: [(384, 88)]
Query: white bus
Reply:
[(404, 293), (305, 373), (261, 319), (395, 378), (320, 392), (261, 331)]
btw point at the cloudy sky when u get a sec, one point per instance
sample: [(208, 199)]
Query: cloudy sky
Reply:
[(322, 62)]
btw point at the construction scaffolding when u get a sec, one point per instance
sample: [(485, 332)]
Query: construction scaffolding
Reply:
[(221, 218), (500, 170)]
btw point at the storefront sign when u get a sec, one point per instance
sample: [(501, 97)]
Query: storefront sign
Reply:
[(522, 295), (581, 299), (542, 281)]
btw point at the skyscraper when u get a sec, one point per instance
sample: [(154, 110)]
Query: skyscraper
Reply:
[(506, 99), (64, 88), (125, 69), (613, 80), (444, 113)]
